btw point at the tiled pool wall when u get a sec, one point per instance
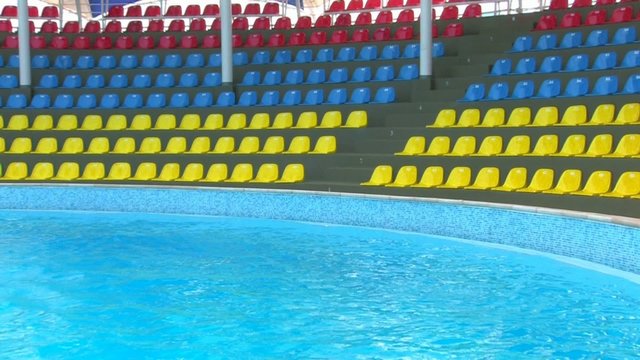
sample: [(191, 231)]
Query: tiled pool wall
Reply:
[(605, 243)]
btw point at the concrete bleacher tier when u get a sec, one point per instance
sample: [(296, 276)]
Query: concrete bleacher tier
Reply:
[(544, 114)]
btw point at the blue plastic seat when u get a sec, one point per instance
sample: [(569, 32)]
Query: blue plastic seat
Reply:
[(41, 101), (179, 100), (226, 98), (551, 64), (1, 64), (408, 72), (132, 101), (361, 74), (571, 40), (498, 91), (303, 56), (338, 75), (293, 77), (368, 53), (86, 101), (194, 61), (390, 52), (172, 61), (474, 92), (632, 85), (384, 73), (525, 66), (72, 82), (316, 76), (261, 57), (605, 85), (549, 88), (14, 61), (597, 38), (523, 89), (212, 79), (16, 101), (385, 95), (128, 62), (577, 87), (337, 96), (625, 35), (95, 81), (119, 81), (85, 62), (63, 101), (412, 51), (251, 78), (360, 96), (292, 97), (501, 67), (631, 59), (141, 81), (240, 58), (273, 77), (314, 97), (107, 62), (547, 42), (165, 80), (215, 60), (110, 101), (203, 99), (605, 60), (347, 53), (63, 62), (188, 80), (577, 62), (270, 98), (156, 101), (48, 81), (8, 81), (40, 62), (282, 57), (248, 98), (324, 55), (150, 61), (522, 44)]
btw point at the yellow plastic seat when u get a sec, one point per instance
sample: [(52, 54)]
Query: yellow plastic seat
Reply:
[(568, 182), (414, 146), (600, 145), (299, 145), (628, 185), (445, 118), (116, 122), (431, 177), (519, 117), (192, 172), (1, 124), (15, 171), (490, 146), (119, 171), (267, 173), (629, 145), (241, 173), (141, 122), (216, 173), (307, 120), (213, 122), (356, 119), (42, 122), (98, 145), (41, 171), (516, 179), (487, 178), (145, 171), (93, 171), (176, 145), (602, 115), (91, 123), (67, 171), (47, 145), (2, 145), (518, 145), (124, 145), (574, 115), (283, 121), (331, 120), (169, 172), (18, 122), (293, 173), (189, 122), (439, 146), (628, 114), (224, 145), (574, 145), (236, 122), (20, 145), (200, 145), (493, 117), (459, 177), (165, 122), (67, 122), (259, 121), (546, 145), (325, 145), (381, 175), (599, 182), (469, 118), (465, 145), (546, 116), (273, 145), (72, 145), (150, 145), (248, 145), (406, 176), (542, 180)]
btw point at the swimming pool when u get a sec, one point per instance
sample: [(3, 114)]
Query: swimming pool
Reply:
[(131, 285)]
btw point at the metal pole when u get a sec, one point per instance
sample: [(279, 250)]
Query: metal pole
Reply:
[(79, 11), (426, 64), (24, 49), (298, 7), (60, 10), (226, 46)]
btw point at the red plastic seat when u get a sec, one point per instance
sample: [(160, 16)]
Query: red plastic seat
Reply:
[(39, 42), (339, 37), (167, 42), (384, 17), (174, 10), (192, 10), (116, 11), (449, 13), (211, 10), (547, 22), (394, 4), (9, 11), (50, 12), (318, 38), (570, 20), (252, 9), (354, 5), (152, 11), (5, 26), (596, 17), (92, 27), (472, 11), (146, 42), (236, 40), (304, 22), (559, 4), (59, 42), (11, 42), (236, 9), (406, 16), (605, 2), (276, 40), (404, 33), (412, 3), (343, 20), (32, 26), (49, 27), (382, 34), (33, 11), (364, 18), (261, 23), (622, 14), (434, 31), (581, 3), (211, 42), (216, 24), (360, 35), (283, 23), (103, 43), (124, 42), (453, 30), (134, 11), (372, 4), (81, 43), (297, 39), (255, 40), (113, 26), (198, 25), (323, 21), (189, 42), (271, 8), (135, 26), (336, 5), (156, 25), (240, 23), (176, 25)]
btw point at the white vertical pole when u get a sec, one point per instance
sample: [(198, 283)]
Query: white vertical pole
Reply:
[(61, 13), (298, 8), (226, 46), (426, 64), (79, 11), (24, 49)]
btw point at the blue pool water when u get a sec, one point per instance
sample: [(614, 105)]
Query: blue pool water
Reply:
[(116, 286)]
